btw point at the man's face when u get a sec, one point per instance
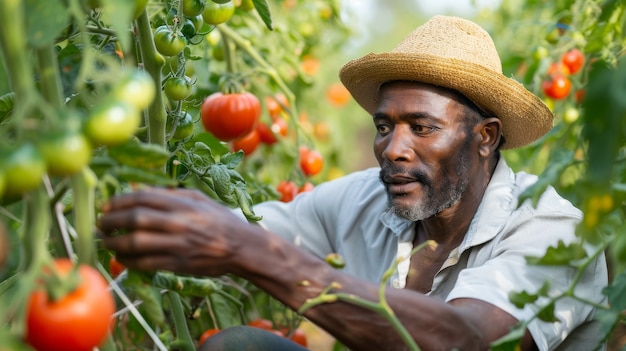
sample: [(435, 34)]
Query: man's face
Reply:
[(424, 148)]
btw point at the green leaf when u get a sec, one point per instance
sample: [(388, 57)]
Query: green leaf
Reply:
[(604, 128), (6, 106), (520, 299), (45, 21), (186, 286), (546, 313), (245, 202), (139, 154), (143, 176), (560, 255), (264, 11), (232, 159), (616, 292)]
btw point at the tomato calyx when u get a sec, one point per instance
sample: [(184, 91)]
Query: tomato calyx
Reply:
[(58, 285)]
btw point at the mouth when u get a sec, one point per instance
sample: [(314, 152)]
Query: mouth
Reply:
[(400, 184)]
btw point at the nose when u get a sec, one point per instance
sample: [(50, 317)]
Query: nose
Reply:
[(397, 145)]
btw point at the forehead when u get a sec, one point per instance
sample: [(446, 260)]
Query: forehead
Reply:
[(420, 97)]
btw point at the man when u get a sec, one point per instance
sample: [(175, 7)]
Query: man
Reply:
[(442, 110)]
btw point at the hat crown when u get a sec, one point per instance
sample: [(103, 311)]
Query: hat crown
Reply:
[(455, 38)]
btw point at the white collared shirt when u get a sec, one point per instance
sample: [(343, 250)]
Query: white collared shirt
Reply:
[(349, 216)]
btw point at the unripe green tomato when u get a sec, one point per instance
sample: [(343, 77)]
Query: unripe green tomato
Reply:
[(65, 153), (177, 88), (184, 129), (247, 5), (215, 13), (112, 123), (167, 42), (540, 53), (571, 115), (23, 169), (192, 8), (137, 88)]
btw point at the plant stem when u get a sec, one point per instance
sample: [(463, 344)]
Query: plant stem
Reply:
[(183, 338), (156, 112), (49, 76), (83, 188)]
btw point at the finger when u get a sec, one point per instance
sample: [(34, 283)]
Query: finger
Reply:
[(163, 199), (139, 218), (145, 242)]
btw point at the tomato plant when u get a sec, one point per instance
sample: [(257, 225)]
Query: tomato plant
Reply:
[(65, 153), (77, 321), (168, 42), (248, 143), (215, 13), (177, 88), (557, 87), (230, 116), (112, 122), (574, 59), (311, 161)]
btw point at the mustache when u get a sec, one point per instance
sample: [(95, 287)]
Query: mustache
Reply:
[(388, 172)]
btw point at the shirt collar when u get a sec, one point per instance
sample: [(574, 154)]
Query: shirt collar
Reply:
[(491, 215)]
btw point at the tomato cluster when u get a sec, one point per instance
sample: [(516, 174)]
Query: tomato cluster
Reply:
[(288, 189), (558, 85), (111, 121)]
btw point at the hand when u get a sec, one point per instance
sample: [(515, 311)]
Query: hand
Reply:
[(177, 230)]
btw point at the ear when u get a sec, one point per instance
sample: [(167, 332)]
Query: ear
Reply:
[(491, 133)]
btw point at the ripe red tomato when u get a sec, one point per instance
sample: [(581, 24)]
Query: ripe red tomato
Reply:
[(311, 161), (247, 143), (558, 68), (307, 186), (265, 134), (299, 337), (276, 104), (262, 324), (288, 190), (65, 153), (207, 334), (115, 267), (574, 60), (557, 87), (230, 116), (78, 321), (338, 95)]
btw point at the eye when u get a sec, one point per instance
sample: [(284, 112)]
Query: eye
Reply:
[(383, 129), (422, 129)]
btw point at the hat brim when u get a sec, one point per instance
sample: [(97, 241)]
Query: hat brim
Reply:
[(525, 118)]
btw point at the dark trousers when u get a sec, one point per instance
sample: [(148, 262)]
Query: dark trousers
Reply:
[(243, 338)]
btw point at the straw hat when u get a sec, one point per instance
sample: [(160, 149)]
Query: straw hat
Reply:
[(458, 54)]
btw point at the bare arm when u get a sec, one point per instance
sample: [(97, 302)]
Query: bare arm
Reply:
[(184, 232)]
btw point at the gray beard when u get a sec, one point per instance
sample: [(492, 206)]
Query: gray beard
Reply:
[(433, 203)]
